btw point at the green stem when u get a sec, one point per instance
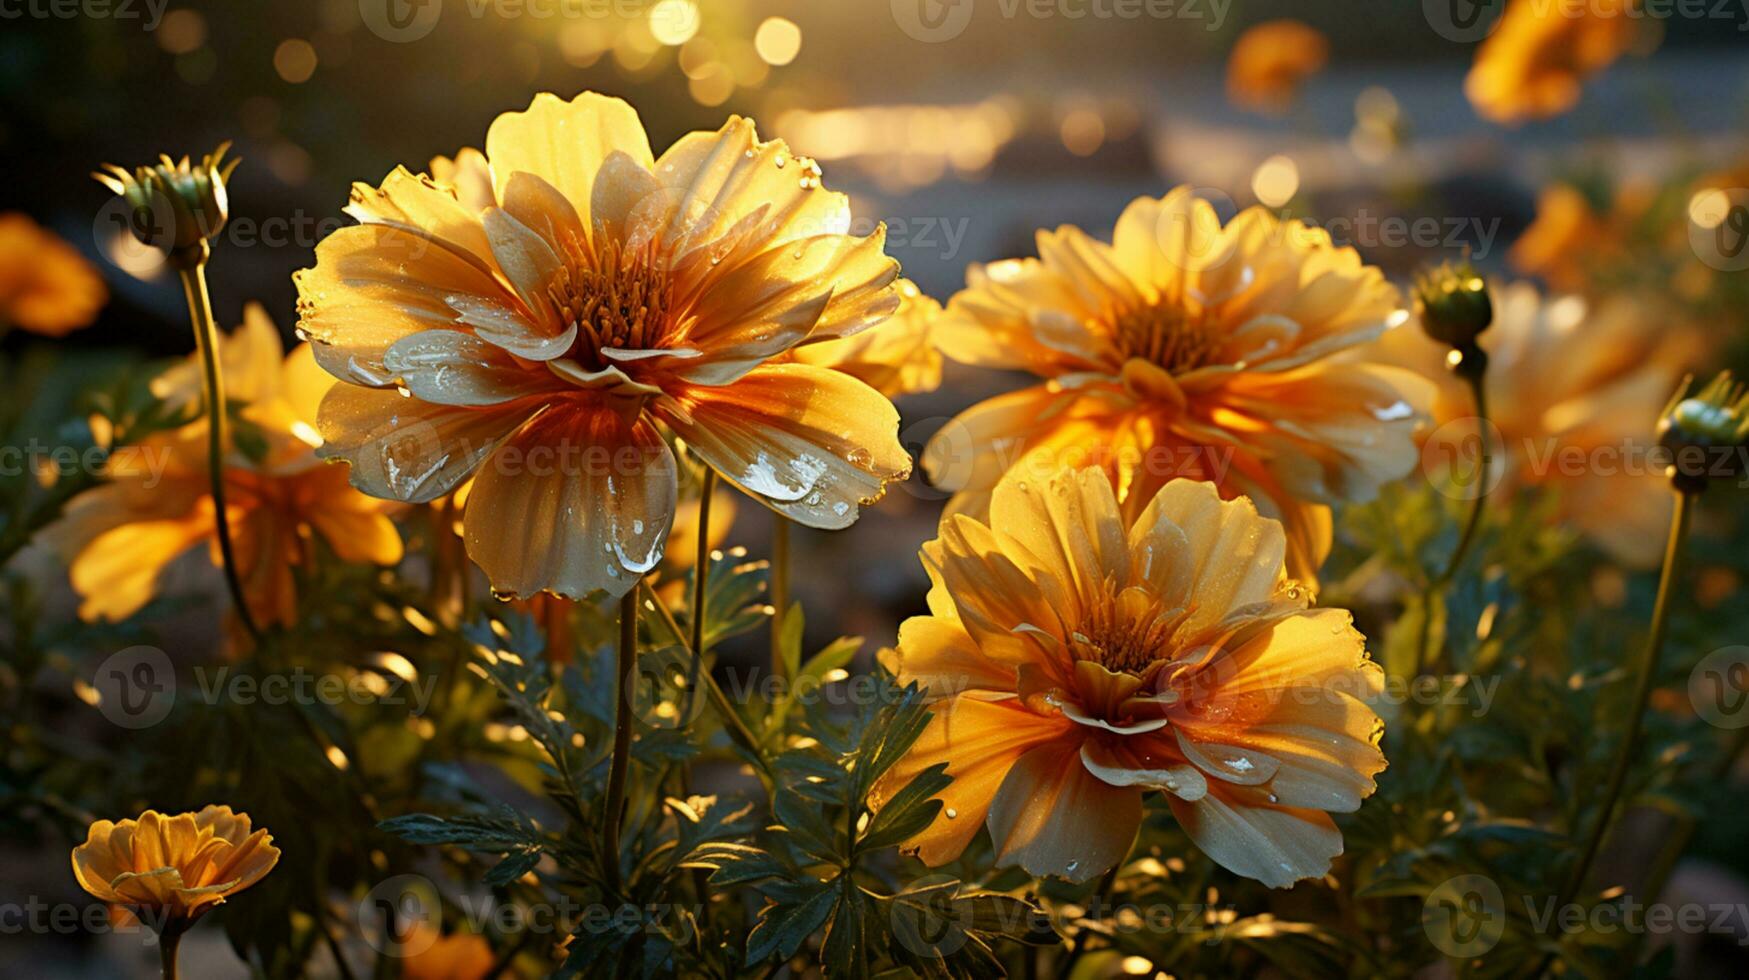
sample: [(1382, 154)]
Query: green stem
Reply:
[(1618, 771), (1679, 839), (206, 341), (695, 667), (622, 738), (725, 708), (168, 941), (779, 588), (700, 581), (1473, 374)]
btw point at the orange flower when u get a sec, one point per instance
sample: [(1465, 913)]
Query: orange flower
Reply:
[(538, 342), (46, 286), (1534, 64), (1081, 661), (1575, 389), (1186, 349), (156, 503), (899, 357), (1270, 60), (458, 956), (171, 870), (1571, 244)]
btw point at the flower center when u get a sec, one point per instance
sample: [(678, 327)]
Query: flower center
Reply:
[(1128, 633), (618, 299), (1169, 336)]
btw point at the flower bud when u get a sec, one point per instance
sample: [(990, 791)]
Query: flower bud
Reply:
[(1453, 304), (1704, 434), (175, 207)]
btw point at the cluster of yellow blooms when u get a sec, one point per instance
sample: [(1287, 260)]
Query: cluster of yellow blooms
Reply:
[(1121, 593)]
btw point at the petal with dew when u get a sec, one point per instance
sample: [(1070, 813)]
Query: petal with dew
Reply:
[(1054, 817), (980, 741), (600, 488), (813, 444)]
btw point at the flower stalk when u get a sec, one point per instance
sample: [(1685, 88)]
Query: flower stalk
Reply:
[(169, 941), (624, 662), (1618, 769), (779, 589), (206, 340)]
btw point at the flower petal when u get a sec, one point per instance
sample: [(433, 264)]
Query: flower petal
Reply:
[(565, 143), (580, 499), (374, 284), (1276, 845), (980, 741), (1053, 817), (812, 443), (449, 367), (405, 449)]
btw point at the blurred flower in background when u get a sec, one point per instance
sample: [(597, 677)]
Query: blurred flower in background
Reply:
[(896, 357), (1270, 61), (156, 503), (1575, 388), (46, 286), (1535, 64)]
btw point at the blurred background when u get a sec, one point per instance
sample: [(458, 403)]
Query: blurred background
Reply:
[(962, 124)]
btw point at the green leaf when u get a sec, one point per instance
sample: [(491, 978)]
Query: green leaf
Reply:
[(786, 924), (910, 810)]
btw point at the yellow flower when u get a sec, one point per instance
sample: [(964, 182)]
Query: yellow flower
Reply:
[(458, 956), (46, 287), (1081, 661), (1186, 349), (170, 870), (1535, 63), (899, 357), (156, 502), (1575, 389), (1270, 60), (536, 344)]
